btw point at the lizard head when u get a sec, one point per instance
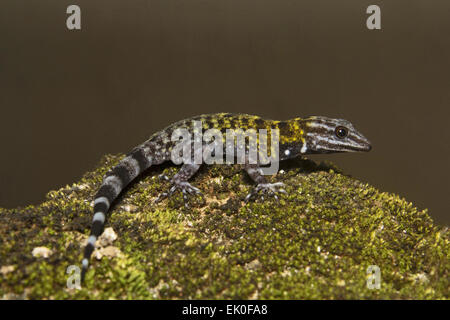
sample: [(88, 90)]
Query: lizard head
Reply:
[(327, 135)]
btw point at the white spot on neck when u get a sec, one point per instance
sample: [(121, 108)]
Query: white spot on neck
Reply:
[(304, 148)]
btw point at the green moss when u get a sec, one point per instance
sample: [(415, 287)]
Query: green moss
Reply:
[(316, 242)]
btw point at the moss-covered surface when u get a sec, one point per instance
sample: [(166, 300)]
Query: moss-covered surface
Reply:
[(316, 242)]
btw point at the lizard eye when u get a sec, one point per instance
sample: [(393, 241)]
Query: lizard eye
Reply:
[(341, 132)]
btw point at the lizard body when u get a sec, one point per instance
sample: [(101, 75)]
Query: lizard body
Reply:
[(297, 137)]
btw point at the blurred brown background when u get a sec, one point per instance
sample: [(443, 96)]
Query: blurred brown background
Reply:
[(68, 97)]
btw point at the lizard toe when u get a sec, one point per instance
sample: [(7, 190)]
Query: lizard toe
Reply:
[(185, 188), (266, 189)]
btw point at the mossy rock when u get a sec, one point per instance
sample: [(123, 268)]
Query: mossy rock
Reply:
[(317, 242)]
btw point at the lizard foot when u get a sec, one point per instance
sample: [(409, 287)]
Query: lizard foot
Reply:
[(185, 187), (266, 189)]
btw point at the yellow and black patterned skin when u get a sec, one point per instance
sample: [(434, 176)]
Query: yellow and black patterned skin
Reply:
[(297, 136), (291, 132)]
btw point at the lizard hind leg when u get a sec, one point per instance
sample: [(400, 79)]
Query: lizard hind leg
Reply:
[(179, 182), (263, 188)]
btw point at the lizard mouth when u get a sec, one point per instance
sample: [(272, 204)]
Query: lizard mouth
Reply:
[(360, 146), (354, 144), (367, 148), (364, 144), (363, 148)]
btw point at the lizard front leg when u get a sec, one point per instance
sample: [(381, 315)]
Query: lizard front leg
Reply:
[(262, 186), (179, 182)]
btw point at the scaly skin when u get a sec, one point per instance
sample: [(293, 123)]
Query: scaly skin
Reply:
[(297, 137)]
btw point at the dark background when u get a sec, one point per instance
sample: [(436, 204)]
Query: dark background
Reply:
[(68, 97)]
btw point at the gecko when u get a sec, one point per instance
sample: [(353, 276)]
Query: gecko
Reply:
[(297, 137)]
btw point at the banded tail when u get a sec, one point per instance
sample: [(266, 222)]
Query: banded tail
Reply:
[(114, 182)]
